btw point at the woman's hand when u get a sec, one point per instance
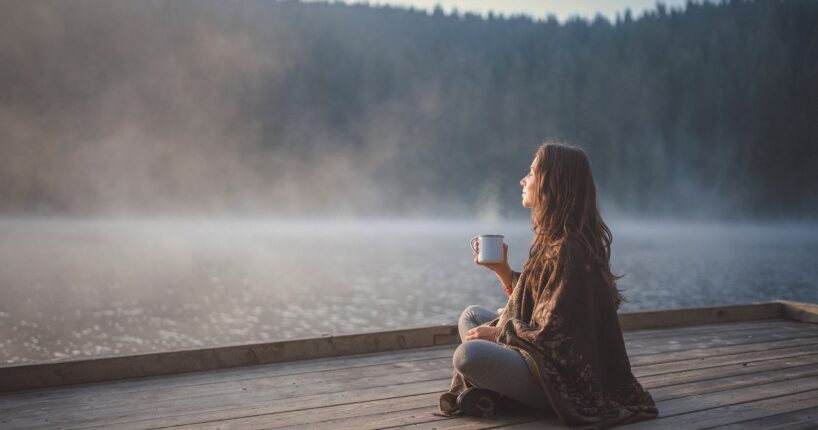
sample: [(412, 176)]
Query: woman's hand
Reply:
[(483, 332), (502, 269), (494, 267)]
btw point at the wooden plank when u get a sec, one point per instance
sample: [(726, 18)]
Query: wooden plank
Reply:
[(194, 402), (320, 417), (685, 405), (390, 413), (139, 417), (697, 316), (804, 312), (420, 417), (547, 423), (701, 341), (804, 419), (392, 419), (733, 395), (727, 412), (324, 369), (710, 353), (351, 415), (710, 362), (729, 370), (471, 423), (710, 328), (731, 382), (19, 377), (231, 375), (713, 411)]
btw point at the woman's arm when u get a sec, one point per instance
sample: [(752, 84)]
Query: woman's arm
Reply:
[(508, 278)]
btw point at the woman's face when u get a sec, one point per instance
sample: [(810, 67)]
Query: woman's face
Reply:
[(528, 183)]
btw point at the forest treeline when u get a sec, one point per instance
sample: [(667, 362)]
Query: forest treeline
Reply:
[(312, 108)]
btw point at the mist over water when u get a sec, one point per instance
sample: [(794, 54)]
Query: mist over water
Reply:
[(83, 288), (280, 108)]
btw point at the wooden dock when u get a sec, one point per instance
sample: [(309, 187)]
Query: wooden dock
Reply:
[(738, 367)]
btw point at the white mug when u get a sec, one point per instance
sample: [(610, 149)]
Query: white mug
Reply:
[(490, 249)]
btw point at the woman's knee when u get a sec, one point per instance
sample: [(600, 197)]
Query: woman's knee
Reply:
[(469, 356), (469, 313)]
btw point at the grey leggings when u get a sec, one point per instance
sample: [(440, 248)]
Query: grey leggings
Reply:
[(491, 366)]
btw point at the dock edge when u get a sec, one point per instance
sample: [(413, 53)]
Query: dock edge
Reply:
[(98, 369)]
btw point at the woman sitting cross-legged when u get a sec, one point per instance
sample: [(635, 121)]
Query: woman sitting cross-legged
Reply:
[(557, 345)]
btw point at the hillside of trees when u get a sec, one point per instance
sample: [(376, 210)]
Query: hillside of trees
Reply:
[(288, 108)]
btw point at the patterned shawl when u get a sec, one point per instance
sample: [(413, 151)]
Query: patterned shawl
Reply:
[(575, 349)]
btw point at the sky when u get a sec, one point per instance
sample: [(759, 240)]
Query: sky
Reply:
[(536, 8)]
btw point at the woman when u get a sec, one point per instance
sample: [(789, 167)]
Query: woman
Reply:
[(557, 344)]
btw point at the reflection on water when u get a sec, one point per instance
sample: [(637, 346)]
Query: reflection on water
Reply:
[(92, 288)]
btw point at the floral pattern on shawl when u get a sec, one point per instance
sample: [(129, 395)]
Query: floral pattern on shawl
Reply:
[(574, 349)]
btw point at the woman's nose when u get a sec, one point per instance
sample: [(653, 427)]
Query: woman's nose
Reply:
[(522, 182)]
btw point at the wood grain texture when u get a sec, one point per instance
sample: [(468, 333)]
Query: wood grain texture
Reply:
[(804, 419), (732, 374)]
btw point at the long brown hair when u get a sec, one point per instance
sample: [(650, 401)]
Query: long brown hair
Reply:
[(566, 207)]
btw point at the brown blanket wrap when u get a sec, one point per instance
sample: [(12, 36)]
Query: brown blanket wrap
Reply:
[(574, 349)]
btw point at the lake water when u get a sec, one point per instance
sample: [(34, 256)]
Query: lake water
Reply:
[(81, 288)]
